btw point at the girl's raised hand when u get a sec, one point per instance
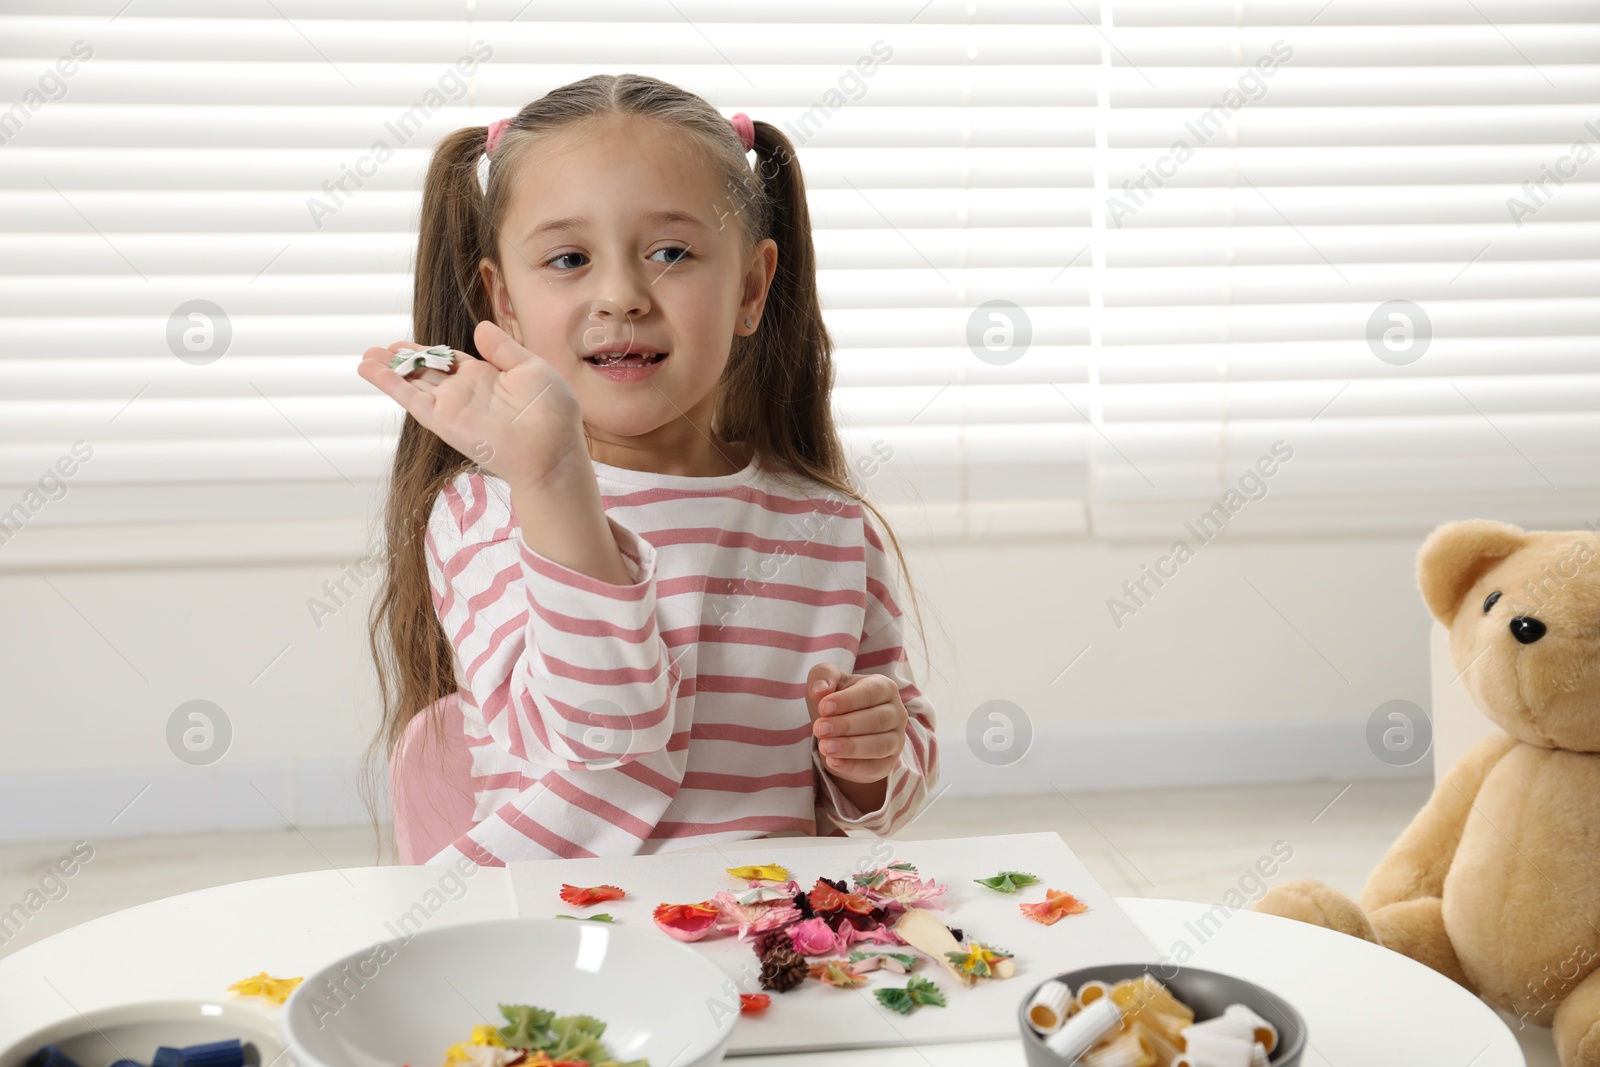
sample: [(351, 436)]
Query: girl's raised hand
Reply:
[(511, 412)]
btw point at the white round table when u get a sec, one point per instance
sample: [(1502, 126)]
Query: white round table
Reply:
[(1364, 1006)]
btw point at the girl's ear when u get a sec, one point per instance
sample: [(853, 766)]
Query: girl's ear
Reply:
[(505, 316), (757, 282)]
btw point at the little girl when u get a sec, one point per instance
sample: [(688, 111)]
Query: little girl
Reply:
[(651, 588)]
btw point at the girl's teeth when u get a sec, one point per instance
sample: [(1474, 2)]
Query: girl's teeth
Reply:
[(634, 359)]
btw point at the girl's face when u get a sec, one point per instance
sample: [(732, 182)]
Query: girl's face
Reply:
[(618, 235)]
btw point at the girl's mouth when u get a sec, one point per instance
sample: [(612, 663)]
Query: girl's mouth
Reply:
[(634, 367), (636, 359)]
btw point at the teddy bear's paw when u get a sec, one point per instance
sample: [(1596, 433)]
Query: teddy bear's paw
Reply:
[(1309, 901), (1577, 1025), (1579, 1048)]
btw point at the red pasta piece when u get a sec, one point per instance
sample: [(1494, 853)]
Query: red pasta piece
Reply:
[(753, 1002), (1053, 907), (579, 896), (824, 897)]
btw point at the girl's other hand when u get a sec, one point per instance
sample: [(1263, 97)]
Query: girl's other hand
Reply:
[(858, 720), (511, 412)]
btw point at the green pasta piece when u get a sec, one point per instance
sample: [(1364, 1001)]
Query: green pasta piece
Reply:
[(564, 1037), (918, 992), (905, 959), (526, 1026), (1008, 881)]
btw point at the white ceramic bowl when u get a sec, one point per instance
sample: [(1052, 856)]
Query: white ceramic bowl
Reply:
[(407, 1001)]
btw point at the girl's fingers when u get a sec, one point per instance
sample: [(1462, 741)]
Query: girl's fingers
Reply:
[(866, 747), (826, 676), (857, 691), (429, 375), (864, 771), (376, 369), (878, 719), (497, 347)]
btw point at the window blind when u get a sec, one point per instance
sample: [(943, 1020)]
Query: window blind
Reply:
[(1087, 264)]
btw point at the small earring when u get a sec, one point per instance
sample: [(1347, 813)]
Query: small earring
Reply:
[(748, 324)]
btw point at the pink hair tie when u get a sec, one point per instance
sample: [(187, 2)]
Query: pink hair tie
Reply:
[(746, 130), (496, 129)]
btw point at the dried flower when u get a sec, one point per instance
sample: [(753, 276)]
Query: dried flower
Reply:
[(686, 922), (752, 918), (813, 937)]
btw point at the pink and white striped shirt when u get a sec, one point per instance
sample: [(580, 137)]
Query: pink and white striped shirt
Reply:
[(609, 720)]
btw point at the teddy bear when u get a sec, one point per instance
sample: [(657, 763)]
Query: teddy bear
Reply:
[(1496, 882)]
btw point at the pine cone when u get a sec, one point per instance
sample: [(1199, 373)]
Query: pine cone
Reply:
[(782, 968), (762, 943)]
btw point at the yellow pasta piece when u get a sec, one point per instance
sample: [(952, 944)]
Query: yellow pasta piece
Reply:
[(1136, 994), (1128, 1049), (1164, 1049)]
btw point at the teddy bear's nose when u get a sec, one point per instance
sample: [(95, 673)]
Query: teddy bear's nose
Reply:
[(1527, 629)]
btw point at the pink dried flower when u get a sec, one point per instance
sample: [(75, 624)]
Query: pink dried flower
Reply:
[(754, 918), (908, 890), (812, 937)]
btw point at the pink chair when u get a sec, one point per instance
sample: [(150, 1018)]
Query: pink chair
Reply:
[(430, 782)]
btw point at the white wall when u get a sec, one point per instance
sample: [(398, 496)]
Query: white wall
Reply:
[(1260, 660)]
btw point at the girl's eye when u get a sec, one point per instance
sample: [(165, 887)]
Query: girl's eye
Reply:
[(556, 261)]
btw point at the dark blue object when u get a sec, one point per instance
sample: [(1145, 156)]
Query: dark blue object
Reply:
[(50, 1056), (229, 1053), (126, 1063), (167, 1056)]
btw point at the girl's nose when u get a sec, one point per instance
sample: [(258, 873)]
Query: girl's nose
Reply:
[(624, 288), (599, 322)]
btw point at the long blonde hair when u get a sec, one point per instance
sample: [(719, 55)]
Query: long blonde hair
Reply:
[(774, 395)]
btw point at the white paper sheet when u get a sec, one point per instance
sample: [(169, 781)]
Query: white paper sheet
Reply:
[(816, 1016)]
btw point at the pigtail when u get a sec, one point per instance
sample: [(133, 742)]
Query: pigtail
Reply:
[(448, 298), (778, 387), (413, 655), (788, 362)]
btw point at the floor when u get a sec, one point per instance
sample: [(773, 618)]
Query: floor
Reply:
[(1191, 843)]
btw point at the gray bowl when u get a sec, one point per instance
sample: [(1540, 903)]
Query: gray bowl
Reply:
[(136, 1030), (1206, 992)]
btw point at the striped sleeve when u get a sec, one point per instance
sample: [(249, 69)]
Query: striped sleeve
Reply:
[(881, 651), (569, 672), (569, 675)]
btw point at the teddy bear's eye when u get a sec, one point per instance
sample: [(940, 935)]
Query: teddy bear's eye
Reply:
[(1487, 604)]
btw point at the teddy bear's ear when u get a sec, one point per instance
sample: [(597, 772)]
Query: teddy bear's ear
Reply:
[(1455, 556)]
